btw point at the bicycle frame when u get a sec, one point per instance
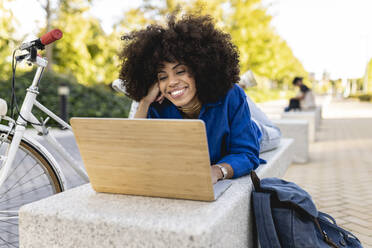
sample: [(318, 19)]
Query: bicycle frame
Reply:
[(27, 116)]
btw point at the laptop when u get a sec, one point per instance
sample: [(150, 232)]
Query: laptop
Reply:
[(148, 157)]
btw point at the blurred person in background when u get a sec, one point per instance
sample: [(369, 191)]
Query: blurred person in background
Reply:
[(304, 100)]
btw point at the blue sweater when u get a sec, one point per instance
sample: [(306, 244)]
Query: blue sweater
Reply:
[(233, 138)]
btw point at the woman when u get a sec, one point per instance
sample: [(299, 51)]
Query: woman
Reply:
[(189, 70)]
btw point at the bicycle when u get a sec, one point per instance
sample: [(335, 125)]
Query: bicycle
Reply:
[(28, 171)]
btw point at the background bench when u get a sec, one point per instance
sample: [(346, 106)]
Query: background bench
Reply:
[(312, 116), (298, 130)]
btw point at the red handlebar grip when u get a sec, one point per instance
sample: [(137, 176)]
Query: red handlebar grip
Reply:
[(51, 36)]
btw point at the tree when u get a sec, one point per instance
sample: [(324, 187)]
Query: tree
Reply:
[(7, 42), (261, 49), (85, 50)]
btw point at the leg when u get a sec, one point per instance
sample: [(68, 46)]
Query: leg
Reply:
[(270, 133), (294, 104)]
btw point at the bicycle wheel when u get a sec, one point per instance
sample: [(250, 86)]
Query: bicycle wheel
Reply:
[(30, 178)]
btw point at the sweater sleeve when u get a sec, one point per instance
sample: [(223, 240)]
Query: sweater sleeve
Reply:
[(243, 145), (152, 113)]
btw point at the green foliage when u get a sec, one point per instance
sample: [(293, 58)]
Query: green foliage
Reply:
[(89, 56), (85, 51), (264, 95), (369, 75), (6, 40), (261, 49), (96, 100), (362, 97), (365, 97)]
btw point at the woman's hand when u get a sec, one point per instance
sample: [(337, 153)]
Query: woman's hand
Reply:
[(154, 94), (216, 174)]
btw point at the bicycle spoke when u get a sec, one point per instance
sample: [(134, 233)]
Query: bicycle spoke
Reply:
[(26, 192), (9, 211), (7, 231), (9, 218), (8, 243), (16, 167), (28, 180), (9, 223), (18, 181)]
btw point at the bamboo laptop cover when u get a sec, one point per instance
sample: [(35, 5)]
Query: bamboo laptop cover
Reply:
[(148, 157)]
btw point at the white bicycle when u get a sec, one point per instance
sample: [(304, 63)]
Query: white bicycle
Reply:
[(28, 171)]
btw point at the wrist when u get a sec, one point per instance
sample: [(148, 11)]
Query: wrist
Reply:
[(224, 174), (145, 103)]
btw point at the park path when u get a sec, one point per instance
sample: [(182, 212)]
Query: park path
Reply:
[(339, 173)]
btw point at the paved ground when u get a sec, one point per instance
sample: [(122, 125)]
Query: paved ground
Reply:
[(339, 174)]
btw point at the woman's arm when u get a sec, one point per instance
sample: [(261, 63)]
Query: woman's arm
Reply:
[(143, 108), (243, 143), (144, 104)]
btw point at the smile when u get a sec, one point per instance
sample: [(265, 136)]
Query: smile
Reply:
[(177, 93)]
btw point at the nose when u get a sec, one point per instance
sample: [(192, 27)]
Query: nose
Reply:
[(173, 81)]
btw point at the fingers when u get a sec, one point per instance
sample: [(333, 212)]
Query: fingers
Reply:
[(154, 94), (215, 174), (160, 98)]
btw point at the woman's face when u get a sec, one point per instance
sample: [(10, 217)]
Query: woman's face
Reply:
[(177, 84)]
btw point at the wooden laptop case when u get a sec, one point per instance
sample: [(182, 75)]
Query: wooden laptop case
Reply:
[(150, 157)]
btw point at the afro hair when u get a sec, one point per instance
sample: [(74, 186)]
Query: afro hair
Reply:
[(193, 41)]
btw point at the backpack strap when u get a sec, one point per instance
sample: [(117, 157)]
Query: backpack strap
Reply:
[(264, 220), (255, 181), (324, 234), (326, 216), (323, 217)]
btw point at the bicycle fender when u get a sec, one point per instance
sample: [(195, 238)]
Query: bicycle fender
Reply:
[(40, 148)]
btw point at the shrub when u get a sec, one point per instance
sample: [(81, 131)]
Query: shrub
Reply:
[(84, 101), (365, 97), (361, 97)]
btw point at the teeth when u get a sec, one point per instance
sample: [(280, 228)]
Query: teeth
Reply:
[(177, 92)]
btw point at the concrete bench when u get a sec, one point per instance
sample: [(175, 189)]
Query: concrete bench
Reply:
[(298, 130), (80, 217), (312, 116)]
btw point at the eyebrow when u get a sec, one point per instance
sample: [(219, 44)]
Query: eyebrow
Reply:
[(174, 67)]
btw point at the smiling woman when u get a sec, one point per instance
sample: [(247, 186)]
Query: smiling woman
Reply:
[(189, 70)]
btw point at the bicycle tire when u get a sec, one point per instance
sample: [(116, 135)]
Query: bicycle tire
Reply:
[(32, 177)]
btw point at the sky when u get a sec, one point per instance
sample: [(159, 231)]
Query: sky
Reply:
[(325, 35)]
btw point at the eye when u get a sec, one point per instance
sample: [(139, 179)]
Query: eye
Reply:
[(180, 72), (161, 78)]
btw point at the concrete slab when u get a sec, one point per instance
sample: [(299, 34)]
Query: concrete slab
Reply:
[(313, 117), (299, 131), (81, 217)]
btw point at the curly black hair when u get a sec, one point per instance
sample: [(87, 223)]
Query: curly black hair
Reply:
[(193, 41)]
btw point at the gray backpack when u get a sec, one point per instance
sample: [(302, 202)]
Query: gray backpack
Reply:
[(286, 217)]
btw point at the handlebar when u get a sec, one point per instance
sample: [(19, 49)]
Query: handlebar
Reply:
[(44, 40), (51, 36)]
